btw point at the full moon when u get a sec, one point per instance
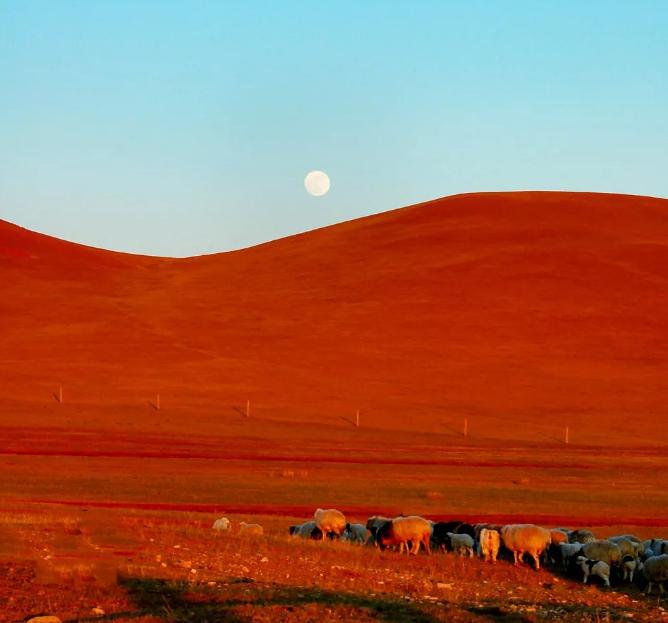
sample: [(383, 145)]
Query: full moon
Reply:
[(317, 183)]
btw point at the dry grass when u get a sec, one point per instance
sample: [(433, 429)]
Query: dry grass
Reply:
[(175, 568)]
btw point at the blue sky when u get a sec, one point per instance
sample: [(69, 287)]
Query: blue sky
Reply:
[(181, 128)]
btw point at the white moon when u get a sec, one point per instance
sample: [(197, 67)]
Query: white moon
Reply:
[(317, 183)]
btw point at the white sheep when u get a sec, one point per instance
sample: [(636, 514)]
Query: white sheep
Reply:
[(655, 571), (330, 521), (567, 551), (490, 541), (627, 547), (401, 530), (356, 533), (461, 543), (222, 525), (594, 567), (602, 550), (250, 529), (629, 565), (526, 538)]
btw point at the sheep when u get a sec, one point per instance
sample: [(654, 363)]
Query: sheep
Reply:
[(602, 550), (401, 530), (658, 546), (222, 525), (465, 528), (307, 530), (330, 521), (566, 552), (594, 567), (374, 523), (250, 529), (648, 553), (626, 546), (629, 565), (557, 536), (526, 538), (655, 571), (356, 533), (581, 536), (488, 546), (629, 537), (461, 543), (439, 533)]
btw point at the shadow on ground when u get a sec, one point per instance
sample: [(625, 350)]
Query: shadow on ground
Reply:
[(242, 600)]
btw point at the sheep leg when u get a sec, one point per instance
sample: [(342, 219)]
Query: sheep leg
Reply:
[(516, 555), (427, 544), (536, 559)]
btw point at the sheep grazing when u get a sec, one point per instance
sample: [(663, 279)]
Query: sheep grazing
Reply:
[(594, 567), (222, 525), (330, 522), (307, 530), (602, 550), (581, 536), (488, 547), (526, 538), (401, 530), (629, 566), (356, 533), (250, 529), (374, 523), (655, 571), (461, 543)]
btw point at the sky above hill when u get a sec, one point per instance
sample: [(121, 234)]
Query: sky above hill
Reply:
[(181, 128)]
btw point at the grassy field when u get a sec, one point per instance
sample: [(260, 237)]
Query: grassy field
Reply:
[(147, 566), (85, 525)]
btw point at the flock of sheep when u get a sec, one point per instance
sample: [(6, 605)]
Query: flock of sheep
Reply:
[(574, 551)]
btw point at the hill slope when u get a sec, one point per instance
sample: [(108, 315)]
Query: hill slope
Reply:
[(520, 311)]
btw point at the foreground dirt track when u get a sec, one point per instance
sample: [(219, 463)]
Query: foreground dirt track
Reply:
[(172, 567), (523, 311)]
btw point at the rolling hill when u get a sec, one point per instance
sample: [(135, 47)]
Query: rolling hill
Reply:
[(523, 312)]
